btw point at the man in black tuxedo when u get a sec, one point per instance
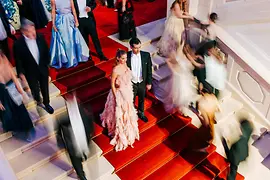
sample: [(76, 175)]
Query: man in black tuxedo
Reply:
[(67, 137), (6, 30), (141, 66), (239, 151), (32, 58), (87, 24)]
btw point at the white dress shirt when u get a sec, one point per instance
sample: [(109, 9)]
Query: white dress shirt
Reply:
[(33, 47), (3, 33), (82, 6), (216, 73), (136, 67), (212, 32)]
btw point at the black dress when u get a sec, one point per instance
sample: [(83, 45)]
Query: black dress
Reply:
[(126, 23), (34, 11), (14, 118)]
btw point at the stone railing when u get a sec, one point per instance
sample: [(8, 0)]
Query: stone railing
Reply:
[(248, 80)]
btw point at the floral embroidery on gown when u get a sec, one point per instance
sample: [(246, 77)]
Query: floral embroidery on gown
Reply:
[(119, 115)]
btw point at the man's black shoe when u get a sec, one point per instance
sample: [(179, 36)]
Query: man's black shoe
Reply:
[(143, 117)]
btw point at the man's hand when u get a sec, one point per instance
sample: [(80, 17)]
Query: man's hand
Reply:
[(148, 87), (87, 9)]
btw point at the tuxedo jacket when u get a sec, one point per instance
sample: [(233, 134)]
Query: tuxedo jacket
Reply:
[(146, 65), (5, 22), (25, 62), (63, 127), (90, 3)]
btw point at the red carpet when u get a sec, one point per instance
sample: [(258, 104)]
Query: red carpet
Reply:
[(159, 153)]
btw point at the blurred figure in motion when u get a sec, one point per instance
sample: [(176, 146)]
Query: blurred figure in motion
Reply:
[(207, 107), (171, 38), (74, 131), (13, 113), (216, 72), (239, 151), (181, 91)]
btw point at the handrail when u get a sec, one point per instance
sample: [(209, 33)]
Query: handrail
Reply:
[(257, 70)]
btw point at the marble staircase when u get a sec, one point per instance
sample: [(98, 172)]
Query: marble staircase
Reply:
[(231, 108), (41, 158)]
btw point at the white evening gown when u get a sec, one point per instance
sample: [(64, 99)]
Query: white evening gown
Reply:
[(171, 38), (181, 92)]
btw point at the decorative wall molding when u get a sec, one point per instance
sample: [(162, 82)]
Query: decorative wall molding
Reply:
[(245, 81)]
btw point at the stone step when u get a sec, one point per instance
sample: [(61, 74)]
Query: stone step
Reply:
[(224, 94), (41, 155), (162, 73), (38, 114), (61, 167), (13, 146), (53, 90), (157, 62), (151, 48), (228, 107), (146, 33), (97, 169)]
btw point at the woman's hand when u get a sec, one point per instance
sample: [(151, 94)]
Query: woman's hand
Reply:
[(123, 8), (2, 108), (76, 23), (54, 28)]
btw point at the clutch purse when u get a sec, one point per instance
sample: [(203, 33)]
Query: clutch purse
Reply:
[(14, 94)]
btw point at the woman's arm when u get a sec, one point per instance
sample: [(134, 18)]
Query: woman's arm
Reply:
[(193, 62), (74, 13), (53, 14), (15, 80), (180, 14), (124, 2), (113, 79)]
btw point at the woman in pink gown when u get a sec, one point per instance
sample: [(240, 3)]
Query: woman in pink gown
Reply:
[(119, 115)]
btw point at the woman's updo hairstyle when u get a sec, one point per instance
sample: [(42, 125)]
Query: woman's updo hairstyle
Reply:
[(119, 54)]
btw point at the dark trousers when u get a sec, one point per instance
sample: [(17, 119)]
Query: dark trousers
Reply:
[(88, 27), (37, 84), (4, 47), (233, 166), (64, 137), (139, 90), (110, 3)]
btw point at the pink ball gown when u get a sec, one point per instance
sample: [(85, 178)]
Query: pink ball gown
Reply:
[(119, 115)]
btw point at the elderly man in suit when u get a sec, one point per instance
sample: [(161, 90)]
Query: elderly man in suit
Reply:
[(32, 59)]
